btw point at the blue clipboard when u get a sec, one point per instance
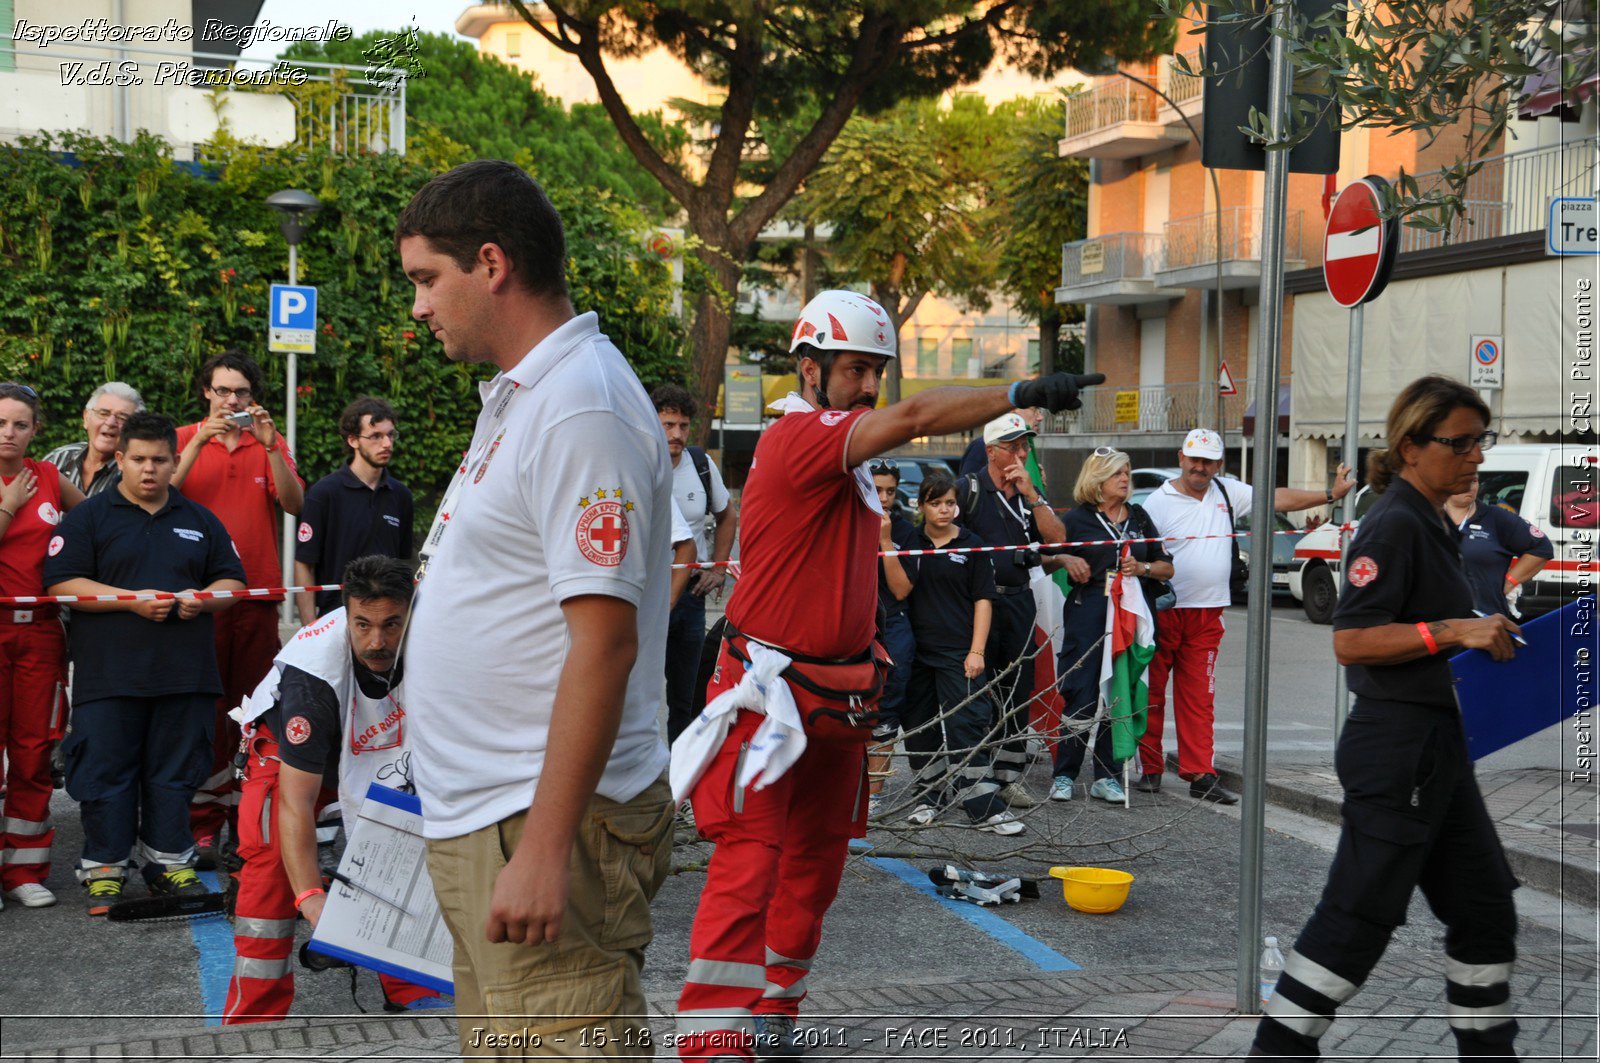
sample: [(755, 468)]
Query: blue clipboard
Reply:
[(1545, 683)]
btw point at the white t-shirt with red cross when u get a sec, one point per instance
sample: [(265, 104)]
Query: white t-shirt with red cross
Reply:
[(1200, 567), (568, 493)]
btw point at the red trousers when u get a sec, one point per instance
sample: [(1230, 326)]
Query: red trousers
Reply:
[(31, 674), (1186, 649), (780, 852), (262, 986), (247, 641)]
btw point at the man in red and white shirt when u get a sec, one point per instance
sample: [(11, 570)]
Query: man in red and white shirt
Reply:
[(1197, 504), (810, 523), (244, 476)]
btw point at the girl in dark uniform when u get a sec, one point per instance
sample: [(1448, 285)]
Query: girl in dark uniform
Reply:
[(1103, 513), (1412, 813), (950, 610)]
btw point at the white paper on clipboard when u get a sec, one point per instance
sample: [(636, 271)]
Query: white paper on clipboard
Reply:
[(386, 854)]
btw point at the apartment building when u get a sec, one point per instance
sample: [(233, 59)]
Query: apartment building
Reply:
[(1166, 234)]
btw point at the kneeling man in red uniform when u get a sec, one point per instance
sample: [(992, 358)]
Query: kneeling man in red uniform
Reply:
[(776, 771), (303, 753)]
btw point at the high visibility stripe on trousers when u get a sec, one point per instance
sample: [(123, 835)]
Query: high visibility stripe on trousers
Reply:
[(1478, 1004), (30, 688)]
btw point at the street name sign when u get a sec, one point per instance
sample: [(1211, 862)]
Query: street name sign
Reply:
[(1573, 227)]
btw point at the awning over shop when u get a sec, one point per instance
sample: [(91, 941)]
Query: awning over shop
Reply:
[(1283, 413), (1425, 325), (1543, 92)]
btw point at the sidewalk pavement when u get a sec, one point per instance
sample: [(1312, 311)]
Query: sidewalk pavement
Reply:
[(1547, 822), (1152, 1014)]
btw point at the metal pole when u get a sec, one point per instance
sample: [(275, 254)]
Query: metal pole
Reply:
[(291, 382), (1347, 510), (1259, 634)]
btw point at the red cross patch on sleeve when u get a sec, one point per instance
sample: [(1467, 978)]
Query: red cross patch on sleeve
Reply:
[(1363, 570), (603, 527), (297, 730)]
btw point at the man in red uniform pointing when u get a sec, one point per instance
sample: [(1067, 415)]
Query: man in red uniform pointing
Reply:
[(782, 805)]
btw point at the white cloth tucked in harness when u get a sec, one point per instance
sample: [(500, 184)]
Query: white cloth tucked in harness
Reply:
[(774, 748)]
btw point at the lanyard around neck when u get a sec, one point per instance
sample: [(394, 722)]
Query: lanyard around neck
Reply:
[(484, 443)]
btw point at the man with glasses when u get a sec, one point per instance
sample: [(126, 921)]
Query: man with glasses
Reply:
[(359, 511), (1003, 506), (91, 466), (1201, 508), (243, 475)]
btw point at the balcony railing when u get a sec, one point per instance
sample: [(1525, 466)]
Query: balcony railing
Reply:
[(1509, 195), (1106, 104), (1192, 241), (1160, 408), (187, 98), (1184, 88), (1113, 257)]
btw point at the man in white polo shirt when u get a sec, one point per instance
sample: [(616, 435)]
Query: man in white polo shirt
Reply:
[(1201, 503), (537, 639)]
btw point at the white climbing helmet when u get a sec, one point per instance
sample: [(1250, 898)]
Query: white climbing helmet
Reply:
[(844, 321)]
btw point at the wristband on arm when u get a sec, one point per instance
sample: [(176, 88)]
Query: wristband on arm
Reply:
[(302, 897), (1427, 637)]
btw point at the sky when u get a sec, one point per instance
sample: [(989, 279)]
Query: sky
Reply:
[(436, 16)]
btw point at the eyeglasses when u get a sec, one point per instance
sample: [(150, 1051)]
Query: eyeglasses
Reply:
[(1464, 444), (379, 437), (25, 389), (243, 394), (884, 467), (1104, 452), (1014, 446), (107, 415)]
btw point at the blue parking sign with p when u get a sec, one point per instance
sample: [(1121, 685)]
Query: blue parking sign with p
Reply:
[(292, 322)]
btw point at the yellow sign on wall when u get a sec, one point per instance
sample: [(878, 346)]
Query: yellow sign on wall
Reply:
[(1127, 411)]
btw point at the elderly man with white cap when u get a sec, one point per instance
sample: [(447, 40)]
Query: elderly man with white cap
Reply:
[(1201, 503)]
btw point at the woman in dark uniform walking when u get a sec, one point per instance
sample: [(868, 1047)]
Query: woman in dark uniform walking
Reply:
[(1412, 814)]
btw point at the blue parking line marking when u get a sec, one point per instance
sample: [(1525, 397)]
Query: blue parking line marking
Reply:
[(1025, 945), (213, 940)]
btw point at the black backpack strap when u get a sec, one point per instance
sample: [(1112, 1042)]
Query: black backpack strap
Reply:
[(702, 466), (1233, 521), (970, 495)]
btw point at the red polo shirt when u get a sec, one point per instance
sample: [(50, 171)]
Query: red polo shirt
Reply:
[(237, 486)]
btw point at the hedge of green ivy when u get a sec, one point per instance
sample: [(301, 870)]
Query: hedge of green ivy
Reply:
[(120, 265)]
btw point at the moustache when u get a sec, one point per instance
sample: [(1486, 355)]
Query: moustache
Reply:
[(378, 655)]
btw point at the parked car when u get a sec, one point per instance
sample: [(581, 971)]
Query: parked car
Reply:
[(1553, 487), (912, 473), (1150, 478)]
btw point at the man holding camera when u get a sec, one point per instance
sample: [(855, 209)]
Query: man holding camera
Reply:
[(235, 464), (1002, 506)]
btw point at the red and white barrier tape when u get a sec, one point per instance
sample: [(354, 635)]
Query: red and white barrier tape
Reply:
[(275, 592)]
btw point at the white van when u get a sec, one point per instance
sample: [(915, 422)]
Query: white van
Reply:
[(1555, 487)]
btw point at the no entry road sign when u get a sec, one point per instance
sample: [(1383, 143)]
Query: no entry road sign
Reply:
[(1359, 248)]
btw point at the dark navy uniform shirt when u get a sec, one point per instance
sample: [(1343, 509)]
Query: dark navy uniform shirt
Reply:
[(904, 536), (947, 587), (111, 540), (344, 519), (1086, 524), (1405, 568), (1491, 539), (1000, 521)]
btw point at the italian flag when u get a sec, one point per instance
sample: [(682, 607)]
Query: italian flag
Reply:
[(1130, 643)]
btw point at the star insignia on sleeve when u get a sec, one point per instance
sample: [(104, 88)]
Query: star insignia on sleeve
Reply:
[(628, 506), (583, 502), (599, 492)]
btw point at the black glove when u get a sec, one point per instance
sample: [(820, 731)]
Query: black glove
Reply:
[(1056, 392)]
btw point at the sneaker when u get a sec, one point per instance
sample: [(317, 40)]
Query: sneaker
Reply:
[(1003, 823), (1149, 783), (1017, 796), (103, 893), (1206, 788), (874, 806), (205, 852), (922, 815), (777, 1038), (32, 895), (178, 882), (1108, 790), (1061, 789)]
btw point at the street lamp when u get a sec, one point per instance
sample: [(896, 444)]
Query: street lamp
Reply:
[(295, 209)]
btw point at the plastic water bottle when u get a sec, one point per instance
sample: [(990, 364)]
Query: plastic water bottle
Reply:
[(1271, 967)]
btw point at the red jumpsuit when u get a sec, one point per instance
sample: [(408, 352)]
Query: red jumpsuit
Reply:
[(809, 584), (262, 986), (32, 672)]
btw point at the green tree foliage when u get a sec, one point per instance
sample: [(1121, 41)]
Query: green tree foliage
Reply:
[(117, 264), (492, 110), (907, 195), (1041, 202), (785, 62)]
